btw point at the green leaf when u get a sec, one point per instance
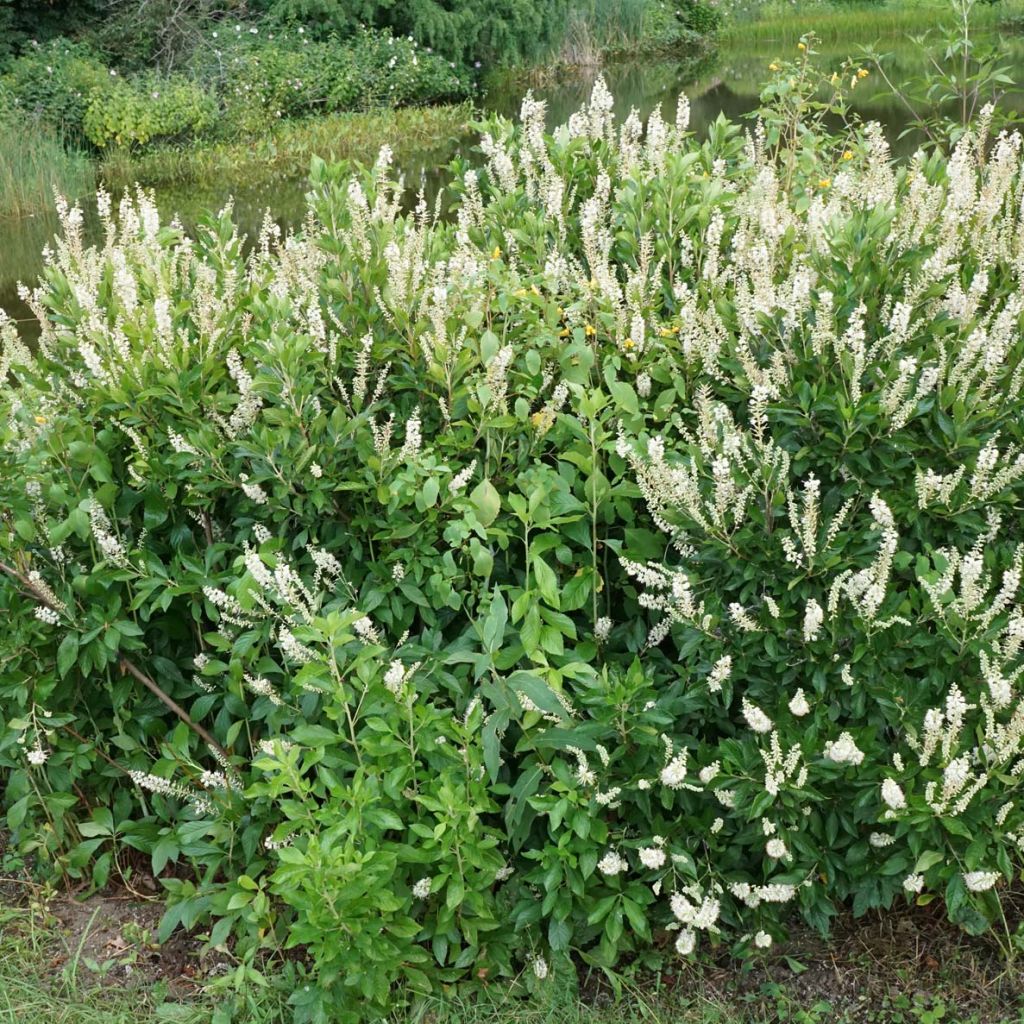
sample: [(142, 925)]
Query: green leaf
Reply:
[(547, 581), (624, 396), (494, 624), (489, 345), (927, 860), (538, 692), (67, 653), (483, 560), (102, 824), (455, 894), (559, 934), (492, 730), (530, 632), (486, 501), (430, 491), (17, 812)]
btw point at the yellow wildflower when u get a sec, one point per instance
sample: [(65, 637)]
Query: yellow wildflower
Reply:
[(628, 344), (862, 72), (824, 182), (847, 154), (773, 66), (801, 46), (564, 332), (40, 420), (496, 255), (543, 420), (590, 330)]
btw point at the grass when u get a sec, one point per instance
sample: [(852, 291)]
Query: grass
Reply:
[(594, 27), (860, 21), (45, 979), (34, 163), (64, 962)]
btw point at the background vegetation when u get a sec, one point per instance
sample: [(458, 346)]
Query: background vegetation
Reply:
[(122, 78)]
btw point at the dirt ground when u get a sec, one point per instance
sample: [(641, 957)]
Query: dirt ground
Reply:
[(117, 934), (868, 971), (867, 968)]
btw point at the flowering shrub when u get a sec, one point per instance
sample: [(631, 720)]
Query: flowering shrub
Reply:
[(54, 82), (620, 565), (262, 76)]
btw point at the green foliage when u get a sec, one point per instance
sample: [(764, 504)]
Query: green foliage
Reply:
[(131, 114), (629, 558), (463, 31), (962, 75), (25, 24), (239, 84), (263, 77), (55, 82), (699, 17), (140, 35)]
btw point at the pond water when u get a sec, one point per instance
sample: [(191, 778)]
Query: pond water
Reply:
[(728, 85)]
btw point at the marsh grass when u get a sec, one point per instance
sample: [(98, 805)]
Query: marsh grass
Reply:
[(600, 32), (593, 27), (34, 163), (854, 21)]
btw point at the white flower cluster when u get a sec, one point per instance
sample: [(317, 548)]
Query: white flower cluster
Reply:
[(844, 750)]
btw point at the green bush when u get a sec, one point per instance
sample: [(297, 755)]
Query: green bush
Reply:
[(26, 23), (263, 76), (55, 82), (240, 82), (133, 113), (699, 17), (616, 568)]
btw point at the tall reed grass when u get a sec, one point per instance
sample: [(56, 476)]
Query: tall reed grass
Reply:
[(35, 163), (596, 26)]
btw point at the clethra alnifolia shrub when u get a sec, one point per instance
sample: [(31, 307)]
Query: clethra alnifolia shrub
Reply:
[(625, 564)]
